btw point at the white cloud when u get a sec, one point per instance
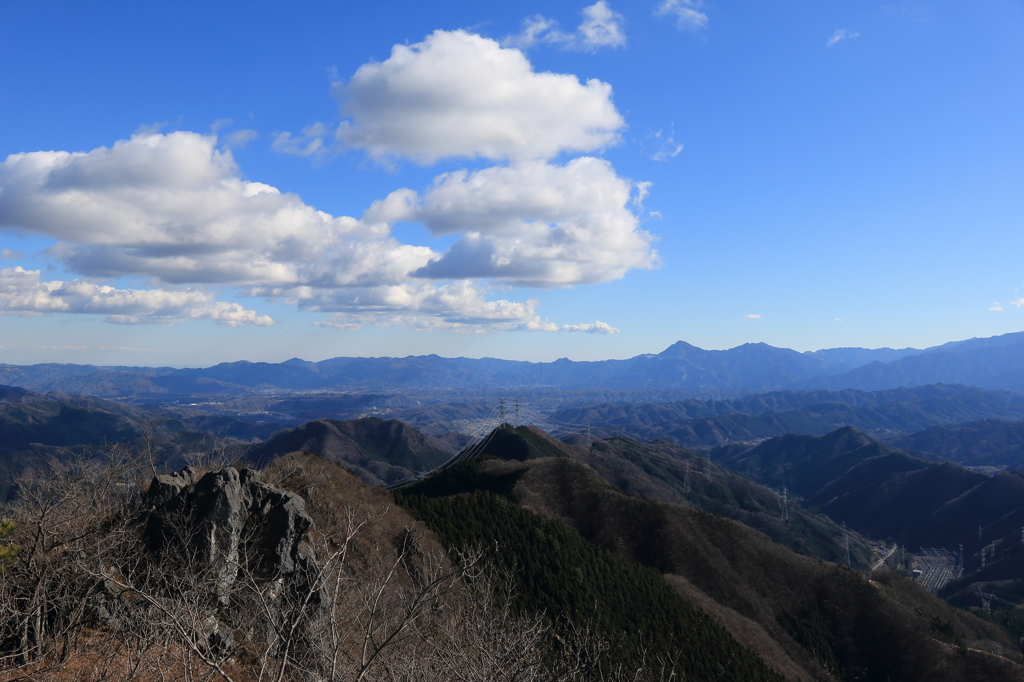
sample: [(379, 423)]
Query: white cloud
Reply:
[(239, 139), (996, 306), (752, 316), (530, 224), (172, 210), (595, 328), (173, 207), (601, 27), (838, 319), (311, 141), (688, 14), (8, 254), (23, 291), (458, 306), (1018, 303), (457, 94), (642, 190), (841, 34), (665, 146)]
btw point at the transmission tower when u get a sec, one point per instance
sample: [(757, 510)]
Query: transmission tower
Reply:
[(960, 563), (588, 434), (846, 543), (979, 536), (516, 410), (785, 504), (983, 551), (986, 601), (501, 411), (686, 479)]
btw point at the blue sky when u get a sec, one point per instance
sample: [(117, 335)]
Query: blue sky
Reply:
[(192, 183)]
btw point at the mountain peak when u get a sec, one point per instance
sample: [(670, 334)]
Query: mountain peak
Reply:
[(679, 348)]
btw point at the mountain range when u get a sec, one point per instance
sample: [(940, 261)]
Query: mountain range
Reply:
[(886, 414), (807, 619), (994, 363), (654, 538)]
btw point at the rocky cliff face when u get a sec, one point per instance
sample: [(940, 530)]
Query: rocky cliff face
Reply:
[(239, 528), (234, 520)]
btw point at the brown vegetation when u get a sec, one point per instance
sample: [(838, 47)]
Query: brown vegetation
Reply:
[(87, 598)]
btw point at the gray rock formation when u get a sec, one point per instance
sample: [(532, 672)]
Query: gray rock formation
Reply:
[(235, 524), (234, 521)]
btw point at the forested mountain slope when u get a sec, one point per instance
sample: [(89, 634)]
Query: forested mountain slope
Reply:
[(803, 616), (886, 493), (990, 442)]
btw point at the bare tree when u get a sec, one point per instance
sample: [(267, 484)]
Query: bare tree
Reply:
[(87, 598)]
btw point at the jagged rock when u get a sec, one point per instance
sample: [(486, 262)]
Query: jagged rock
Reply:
[(235, 520), (167, 497)]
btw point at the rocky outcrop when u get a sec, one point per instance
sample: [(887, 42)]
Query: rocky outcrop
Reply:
[(234, 525), (234, 521)]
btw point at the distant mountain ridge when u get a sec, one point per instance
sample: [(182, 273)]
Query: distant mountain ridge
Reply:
[(996, 362), (766, 415), (884, 492)]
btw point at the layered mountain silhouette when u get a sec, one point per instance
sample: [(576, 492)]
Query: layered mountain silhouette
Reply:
[(657, 547), (988, 363), (806, 619), (377, 450), (996, 362), (886, 493), (990, 442), (55, 424), (891, 412)]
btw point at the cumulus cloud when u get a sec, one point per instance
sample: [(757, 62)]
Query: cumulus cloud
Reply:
[(595, 328), (23, 291), (996, 306), (457, 94), (687, 13), (8, 254), (530, 224), (841, 34), (172, 210), (601, 27), (1018, 303), (173, 207), (752, 316)]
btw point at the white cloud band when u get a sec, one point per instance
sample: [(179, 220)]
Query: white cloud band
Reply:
[(173, 210), (23, 291)]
